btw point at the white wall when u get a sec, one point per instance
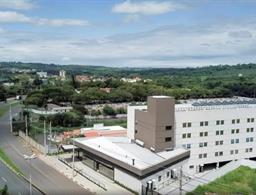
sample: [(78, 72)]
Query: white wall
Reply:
[(127, 180), (211, 115), (131, 119), (226, 113)]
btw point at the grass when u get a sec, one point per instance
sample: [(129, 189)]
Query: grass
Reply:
[(240, 181), (6, 107), (8, 161)]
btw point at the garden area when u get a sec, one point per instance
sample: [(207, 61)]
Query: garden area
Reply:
[(240, 181)]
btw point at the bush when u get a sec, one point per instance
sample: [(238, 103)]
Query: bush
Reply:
[(107, 110)]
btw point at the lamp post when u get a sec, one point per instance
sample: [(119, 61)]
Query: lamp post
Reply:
[(11, 117), (29, 158)]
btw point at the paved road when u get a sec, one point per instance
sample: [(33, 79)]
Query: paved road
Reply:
[(44, 176), (16, 184)]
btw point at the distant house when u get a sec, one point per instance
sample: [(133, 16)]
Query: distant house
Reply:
[(62, 74), (82, 78), (58, 109), (106, 89), (42, 74), (131, 80)]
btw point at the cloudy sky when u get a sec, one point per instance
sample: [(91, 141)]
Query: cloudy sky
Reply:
[(136, 33)]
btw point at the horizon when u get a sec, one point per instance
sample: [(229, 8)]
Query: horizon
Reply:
[(128, 33)]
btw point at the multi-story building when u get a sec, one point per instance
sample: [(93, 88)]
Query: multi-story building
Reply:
[(216, 131)]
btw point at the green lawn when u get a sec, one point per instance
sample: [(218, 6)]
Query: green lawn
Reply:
[(240, 181), (6, 107), (3, 110), (7, 160)]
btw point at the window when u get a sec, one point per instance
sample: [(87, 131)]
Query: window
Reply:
[(136, 131), (219, 143), (188, 146), (202, 155), (186, 135), (204, 123), (188, 124), (220, 122), (191, 166), (159, 178), (219, 132), (249, 139), (233, 152), (248, 150), (234, 121), (248, 130), (233, 131), (203, 144), (233, 141), (203, 134), (250, 120), (168, 139), (219, 153), (168, 174), (168, 128)]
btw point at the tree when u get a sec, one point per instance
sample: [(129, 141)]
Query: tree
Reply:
[(107, 110)]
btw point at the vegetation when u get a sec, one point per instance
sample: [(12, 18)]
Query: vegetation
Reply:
[(8, 161), (4, 191), (240, 181)]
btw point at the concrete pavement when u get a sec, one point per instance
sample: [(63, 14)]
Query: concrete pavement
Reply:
[(44, 176)]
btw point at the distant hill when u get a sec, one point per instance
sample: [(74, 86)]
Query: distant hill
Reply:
[(219, 70)]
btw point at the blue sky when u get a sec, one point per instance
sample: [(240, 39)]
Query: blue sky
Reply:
[(155, 33)]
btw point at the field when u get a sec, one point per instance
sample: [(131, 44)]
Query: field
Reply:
[(240, 181)]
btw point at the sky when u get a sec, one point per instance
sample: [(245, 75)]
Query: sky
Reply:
[(129, 33)]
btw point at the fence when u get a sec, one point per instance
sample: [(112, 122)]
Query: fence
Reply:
[(33, 143), (82, 173)]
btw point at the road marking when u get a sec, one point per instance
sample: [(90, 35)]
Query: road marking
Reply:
[(5, 180)]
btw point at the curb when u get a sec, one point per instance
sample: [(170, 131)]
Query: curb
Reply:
[(22, 176)]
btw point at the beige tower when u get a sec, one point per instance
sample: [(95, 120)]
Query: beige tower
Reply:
[(155, 126)]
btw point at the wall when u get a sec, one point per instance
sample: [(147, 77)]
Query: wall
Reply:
[(211, 115), (131, 119), (127, 180)]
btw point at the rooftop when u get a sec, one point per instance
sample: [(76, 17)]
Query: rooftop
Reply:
[(124, 150)]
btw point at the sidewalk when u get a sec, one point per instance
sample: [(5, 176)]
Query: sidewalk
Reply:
[(111, 186)]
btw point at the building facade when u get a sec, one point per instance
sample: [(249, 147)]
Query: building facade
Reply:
[(216, 131)]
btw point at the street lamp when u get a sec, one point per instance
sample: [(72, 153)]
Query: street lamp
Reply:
[(29, 158)]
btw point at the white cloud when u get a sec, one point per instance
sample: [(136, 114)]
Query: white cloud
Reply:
[(17, 4), (146, 7), (61, 22), (167, 46), (15, 17)]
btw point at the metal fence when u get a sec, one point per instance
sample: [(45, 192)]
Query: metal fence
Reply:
[(82, 173)]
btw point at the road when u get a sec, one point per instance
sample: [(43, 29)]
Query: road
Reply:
[(44, 176), (16, 184)]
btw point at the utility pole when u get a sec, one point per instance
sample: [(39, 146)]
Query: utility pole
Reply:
[(73, 159), (10, 112), (50, 127), (181, 174), (45, 138), (26, 124)]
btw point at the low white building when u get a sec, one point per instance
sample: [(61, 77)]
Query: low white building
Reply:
[(130, 164), (216, 131), (42, 74)]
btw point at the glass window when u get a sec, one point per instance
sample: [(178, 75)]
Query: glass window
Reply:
[(168, 139), (168, 127), (189, 124)]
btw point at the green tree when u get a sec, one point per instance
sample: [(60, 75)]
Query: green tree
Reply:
[(108, 110)]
